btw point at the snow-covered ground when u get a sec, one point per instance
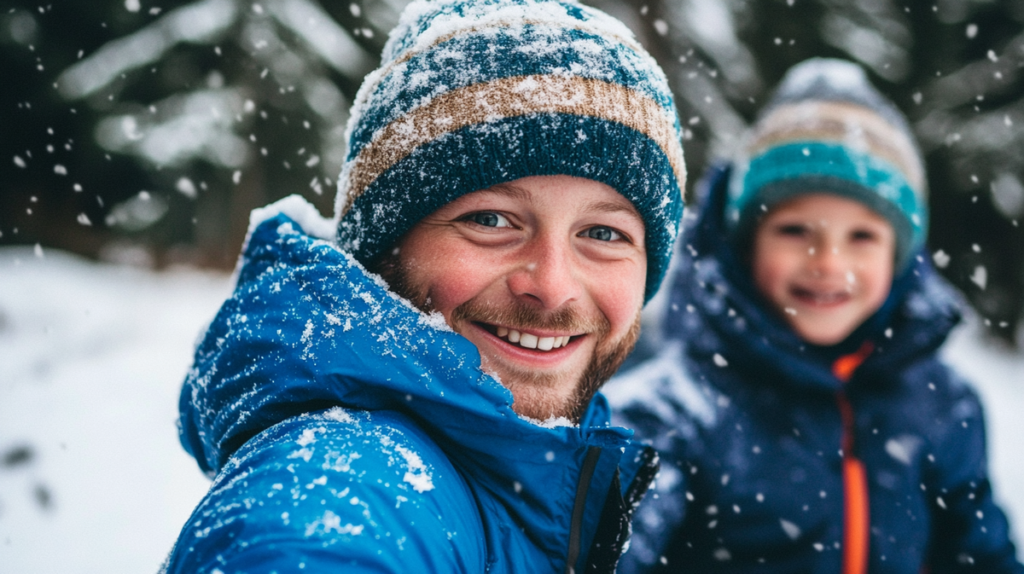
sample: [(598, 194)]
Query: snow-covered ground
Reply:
[(91, 362), (92, 479)]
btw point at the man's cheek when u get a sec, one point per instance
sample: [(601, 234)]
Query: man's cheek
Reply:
[(445, 296), (621, 307)]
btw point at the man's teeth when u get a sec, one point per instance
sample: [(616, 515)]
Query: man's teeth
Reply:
[(532, 341), (527, 340)]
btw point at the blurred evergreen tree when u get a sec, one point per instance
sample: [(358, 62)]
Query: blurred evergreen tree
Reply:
[(184, 116), (162, 123)]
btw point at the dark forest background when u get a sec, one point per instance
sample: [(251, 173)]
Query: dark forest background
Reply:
[(144, 131)]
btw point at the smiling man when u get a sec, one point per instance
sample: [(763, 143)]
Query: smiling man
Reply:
[(542, 274), (514, 175)]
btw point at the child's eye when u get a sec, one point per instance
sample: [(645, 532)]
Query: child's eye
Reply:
[(792, 230), (487, 219), (864, 235), (602, 233)]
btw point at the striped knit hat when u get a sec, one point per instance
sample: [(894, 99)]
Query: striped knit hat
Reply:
[(473, 93), (827, 129)]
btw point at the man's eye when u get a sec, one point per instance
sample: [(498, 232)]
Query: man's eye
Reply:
[(602, 233), (488, 219)]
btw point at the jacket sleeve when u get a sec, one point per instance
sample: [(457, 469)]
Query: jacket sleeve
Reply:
[(970, 533), (337, 491)]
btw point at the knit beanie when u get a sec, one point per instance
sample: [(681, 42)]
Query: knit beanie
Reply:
[(474, 93), (827, 129)]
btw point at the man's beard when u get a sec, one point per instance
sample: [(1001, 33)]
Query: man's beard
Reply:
[(535, 391)]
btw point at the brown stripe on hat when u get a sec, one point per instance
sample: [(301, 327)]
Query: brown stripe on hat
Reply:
[(512, 97), (852, 125)]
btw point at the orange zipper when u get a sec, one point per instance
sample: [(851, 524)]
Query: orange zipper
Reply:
[(856, 525)]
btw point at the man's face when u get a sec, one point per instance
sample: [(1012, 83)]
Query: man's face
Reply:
[(545, 275), (825, 262)]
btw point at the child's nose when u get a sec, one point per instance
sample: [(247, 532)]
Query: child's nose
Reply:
[(826, 258)]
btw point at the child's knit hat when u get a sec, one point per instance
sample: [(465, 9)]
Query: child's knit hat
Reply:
[(473, 93), (827, 129)]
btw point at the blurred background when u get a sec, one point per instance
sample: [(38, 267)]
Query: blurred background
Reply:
[(137, 135), (144, 131)]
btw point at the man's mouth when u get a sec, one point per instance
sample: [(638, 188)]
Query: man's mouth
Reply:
[(528, 340)]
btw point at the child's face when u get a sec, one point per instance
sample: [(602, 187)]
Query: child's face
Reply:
[(825, 262)]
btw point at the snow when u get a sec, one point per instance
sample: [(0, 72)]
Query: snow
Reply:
[(91, 362), (417, 475), (487, 15), (332, 521), (92, 357), (548, 423), (298, 209)]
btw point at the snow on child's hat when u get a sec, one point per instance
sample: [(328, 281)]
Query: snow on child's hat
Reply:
[(827, 129), (471, 94)]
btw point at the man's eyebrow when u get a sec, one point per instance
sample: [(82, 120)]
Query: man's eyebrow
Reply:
[(508, 190), (614, 207)]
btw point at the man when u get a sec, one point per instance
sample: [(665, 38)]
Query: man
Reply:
[(514, 173)]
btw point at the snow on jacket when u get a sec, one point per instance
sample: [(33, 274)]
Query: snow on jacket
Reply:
[(350, 432), (749, 422)]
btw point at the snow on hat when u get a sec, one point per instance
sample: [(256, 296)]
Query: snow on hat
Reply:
[(471, 94), (827, 129)]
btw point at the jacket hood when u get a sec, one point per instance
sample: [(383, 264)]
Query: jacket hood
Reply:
[(717, 309), (308, 328)]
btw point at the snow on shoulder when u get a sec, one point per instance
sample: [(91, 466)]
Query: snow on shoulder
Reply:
[(299, 210), (312, 223), (417, 474)]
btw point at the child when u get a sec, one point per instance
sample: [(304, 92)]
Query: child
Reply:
[(804, 420)]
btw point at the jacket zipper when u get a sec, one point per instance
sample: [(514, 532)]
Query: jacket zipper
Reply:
[(576, 524), (856, 524)]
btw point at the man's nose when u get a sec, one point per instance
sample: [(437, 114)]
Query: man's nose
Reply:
[(546, 273)]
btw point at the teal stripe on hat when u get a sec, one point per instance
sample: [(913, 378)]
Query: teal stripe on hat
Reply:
[(805, 167)]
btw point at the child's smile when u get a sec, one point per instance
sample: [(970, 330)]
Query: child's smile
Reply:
[(821, 297), (825, 262)]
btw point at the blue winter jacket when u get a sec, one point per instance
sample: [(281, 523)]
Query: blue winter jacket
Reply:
[(349, 432), (749, 422)]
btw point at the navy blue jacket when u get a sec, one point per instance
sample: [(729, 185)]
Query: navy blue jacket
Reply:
[(748, 420), (349, 432)]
